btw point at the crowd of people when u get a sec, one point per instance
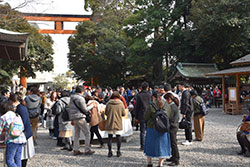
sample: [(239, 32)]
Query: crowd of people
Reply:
[(62, 111)]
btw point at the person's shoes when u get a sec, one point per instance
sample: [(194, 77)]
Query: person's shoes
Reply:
[(240, 153), (110, 154), (247, 154), (186, 143), (60, 145), (102, 146), (70, 149), (118, 154), (150, 165), (64, 148), (141, 149), (54, 138), (89, 152), (169, 160), (174, 163), (78, 153)]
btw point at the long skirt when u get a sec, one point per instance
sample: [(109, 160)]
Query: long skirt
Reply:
[(28, 149), (157, 145)]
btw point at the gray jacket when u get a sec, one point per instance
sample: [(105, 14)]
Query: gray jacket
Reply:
[(61, 107), (74, 112), (33, 101)]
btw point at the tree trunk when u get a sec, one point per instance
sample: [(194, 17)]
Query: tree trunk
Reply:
[(166, 70), (157, 71)]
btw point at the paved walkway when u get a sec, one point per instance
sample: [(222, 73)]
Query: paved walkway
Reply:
[(218, 149)]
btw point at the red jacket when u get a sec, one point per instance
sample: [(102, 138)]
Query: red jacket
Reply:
[(216, 93)]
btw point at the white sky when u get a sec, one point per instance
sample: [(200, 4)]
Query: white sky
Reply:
[(54, 7)]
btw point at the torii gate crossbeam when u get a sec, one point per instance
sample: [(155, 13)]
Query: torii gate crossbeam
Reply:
[(59, 19)]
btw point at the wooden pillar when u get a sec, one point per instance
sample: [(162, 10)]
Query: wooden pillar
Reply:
[(59, 25), (238, 110), (23, 78), (223, 93)]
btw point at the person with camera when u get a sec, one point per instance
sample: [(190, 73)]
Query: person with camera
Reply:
[(78, 110)]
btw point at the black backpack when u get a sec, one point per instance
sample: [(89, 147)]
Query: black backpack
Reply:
[(54, 107), (161, 120), (65, 114), (203, 107)]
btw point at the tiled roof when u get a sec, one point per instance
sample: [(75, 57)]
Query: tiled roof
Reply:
[(231, 71), (196, 70), (13, 45), (242, 61)]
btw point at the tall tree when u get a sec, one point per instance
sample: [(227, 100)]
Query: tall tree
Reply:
[(150, 27), (98, 50), (220, 31), (39, 56)]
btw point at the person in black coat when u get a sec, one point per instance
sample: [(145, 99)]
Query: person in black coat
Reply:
[(186, 111), (174, 125), (19, 103), (142, 101)]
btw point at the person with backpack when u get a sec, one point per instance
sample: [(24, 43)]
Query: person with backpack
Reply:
[(15, 137), (65, 127), (33, 104), (28, 148), (199, 118), (157, 144), (174, 125)]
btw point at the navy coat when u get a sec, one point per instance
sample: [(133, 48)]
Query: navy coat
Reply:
[(23, 112)]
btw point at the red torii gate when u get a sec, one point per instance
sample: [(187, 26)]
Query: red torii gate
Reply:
[(59, 19)]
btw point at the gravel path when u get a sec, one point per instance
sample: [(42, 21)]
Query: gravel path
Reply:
[(218, 149)]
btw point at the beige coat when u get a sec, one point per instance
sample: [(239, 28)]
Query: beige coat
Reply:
[(95, 114), (114, 111)]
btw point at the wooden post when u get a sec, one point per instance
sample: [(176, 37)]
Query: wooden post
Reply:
[(223, 92), (23, 78), (238, 111)]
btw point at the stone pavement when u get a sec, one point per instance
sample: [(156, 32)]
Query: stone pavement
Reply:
[(219, 149)]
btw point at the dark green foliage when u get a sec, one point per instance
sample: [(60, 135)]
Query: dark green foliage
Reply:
[(99, 49), (220, 32), (39, 56), (158, 32)]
